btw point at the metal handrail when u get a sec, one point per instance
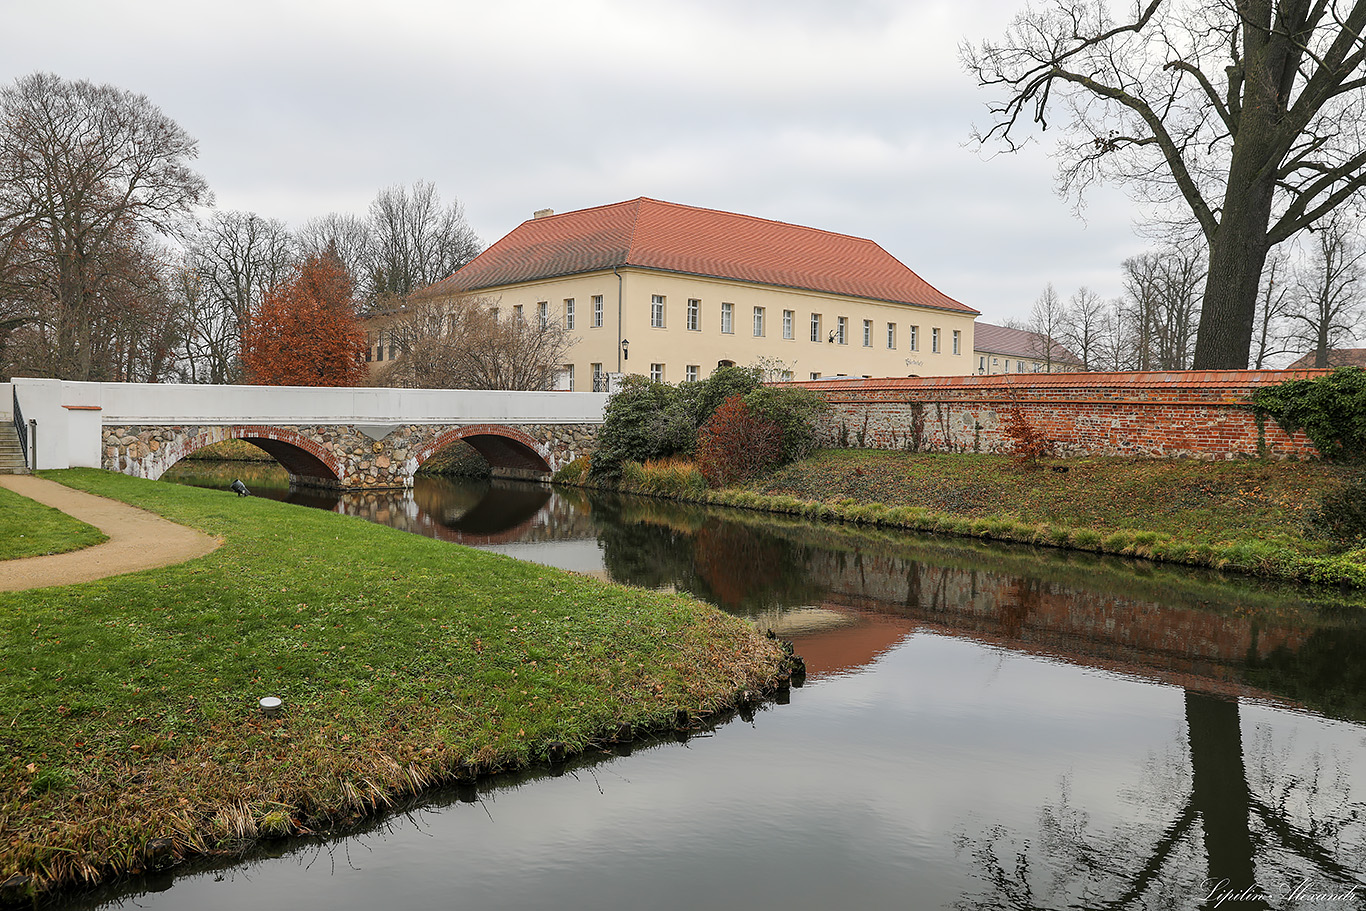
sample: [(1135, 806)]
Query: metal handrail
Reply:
[(21, 428)]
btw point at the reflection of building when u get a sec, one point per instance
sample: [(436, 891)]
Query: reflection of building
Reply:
[(673, 291), (1337, 357), (1000, 349)]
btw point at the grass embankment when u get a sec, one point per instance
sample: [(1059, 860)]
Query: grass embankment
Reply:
[(29, 529), (1245, 516), (133, 729)]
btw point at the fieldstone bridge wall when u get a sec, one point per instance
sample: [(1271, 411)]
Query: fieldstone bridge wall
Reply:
[(1185, 414)]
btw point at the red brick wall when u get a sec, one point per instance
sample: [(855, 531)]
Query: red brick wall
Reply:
[(1185, 414)]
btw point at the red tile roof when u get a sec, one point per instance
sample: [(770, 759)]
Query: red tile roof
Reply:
[(649, 234), (1337, 357), (1018, 343)]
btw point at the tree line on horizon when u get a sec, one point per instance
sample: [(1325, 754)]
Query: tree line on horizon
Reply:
[(111, 271), (1312, 300)]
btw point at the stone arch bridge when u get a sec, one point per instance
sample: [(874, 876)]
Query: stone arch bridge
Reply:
[(354, 438)]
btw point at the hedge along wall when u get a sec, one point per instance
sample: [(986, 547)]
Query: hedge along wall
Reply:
[(1183, 414)]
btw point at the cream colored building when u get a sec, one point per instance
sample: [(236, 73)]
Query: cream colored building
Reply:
[(1002, 349), (672, 292)]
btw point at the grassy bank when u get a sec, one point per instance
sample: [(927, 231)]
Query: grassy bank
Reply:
[(29, 529), (1244, 516), (134, 736)]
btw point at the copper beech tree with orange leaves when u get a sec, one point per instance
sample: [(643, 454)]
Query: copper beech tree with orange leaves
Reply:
[(305, 332)]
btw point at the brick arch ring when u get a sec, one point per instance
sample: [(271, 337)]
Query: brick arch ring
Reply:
[(502, 446), (297, 454)]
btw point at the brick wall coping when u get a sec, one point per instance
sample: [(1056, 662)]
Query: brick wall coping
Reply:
[(1202, 380)]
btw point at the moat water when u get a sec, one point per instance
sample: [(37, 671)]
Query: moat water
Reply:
[(982, 727)]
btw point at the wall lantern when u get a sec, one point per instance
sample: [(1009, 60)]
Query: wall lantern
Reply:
[(625, 355)]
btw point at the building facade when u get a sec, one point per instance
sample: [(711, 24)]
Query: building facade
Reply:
[(1001, 349), (672, 292)]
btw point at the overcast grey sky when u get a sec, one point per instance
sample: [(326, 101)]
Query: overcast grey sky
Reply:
[(848, 115)]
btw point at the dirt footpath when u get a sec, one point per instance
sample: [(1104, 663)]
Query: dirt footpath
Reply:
[(137, 539)]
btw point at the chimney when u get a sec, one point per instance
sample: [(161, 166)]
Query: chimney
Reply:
[(543, 213)]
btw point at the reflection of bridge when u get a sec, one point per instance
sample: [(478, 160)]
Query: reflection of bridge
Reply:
[(346, 437)]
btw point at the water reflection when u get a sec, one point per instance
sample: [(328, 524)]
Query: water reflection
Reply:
[(984, 727)]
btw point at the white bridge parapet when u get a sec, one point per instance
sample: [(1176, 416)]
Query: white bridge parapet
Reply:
[(71, 417)]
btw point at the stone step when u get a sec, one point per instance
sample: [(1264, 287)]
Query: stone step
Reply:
[(11, 454)]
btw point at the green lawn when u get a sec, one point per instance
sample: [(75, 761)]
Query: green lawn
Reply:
[(131, 703), (29, 529)]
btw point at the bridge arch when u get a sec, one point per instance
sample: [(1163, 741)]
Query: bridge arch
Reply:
[(303, 458), (503, 447)]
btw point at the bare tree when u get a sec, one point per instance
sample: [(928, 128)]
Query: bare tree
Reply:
[(1161, 294), (1329, 292), (1083, 325), (415, 240), (236, 259), (84, 168), (348, 239), (1046, 321), (1246, 116), (1270, 337), (464, 344)]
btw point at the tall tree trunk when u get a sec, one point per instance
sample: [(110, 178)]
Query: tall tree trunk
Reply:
[(1237, 253)]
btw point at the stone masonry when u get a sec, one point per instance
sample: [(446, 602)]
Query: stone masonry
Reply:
[(349, 455), (1188, 414)]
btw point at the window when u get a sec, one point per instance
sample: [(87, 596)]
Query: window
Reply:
[(934, 341), (957, 342), (656, 311), (787, 324), (867, 333), (369, 354), (1007, 370), (569, 377), (597, 311), (691, 371), (1019, 367), (597, 378), (694, 314), (657, 372), (517, 312), (843, 335), (815, 376), (543, 313), (915, 338), (786, 376), (891, 336), (758, 322), (727, 319), (569, 313), (815, 327)]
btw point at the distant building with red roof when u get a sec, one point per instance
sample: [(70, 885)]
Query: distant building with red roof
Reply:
[(673, 291), (1337, 357), (1001, 349)]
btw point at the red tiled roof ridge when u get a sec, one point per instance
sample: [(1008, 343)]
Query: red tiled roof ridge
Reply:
[(653, 234)]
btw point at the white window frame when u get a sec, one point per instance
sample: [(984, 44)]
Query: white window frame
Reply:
[(815, 328), (787, 324), (957, 342), (692, 372), (934, 341), (694, 315), (915, 338), (891, 336), (758, 322), (597, 311), (569, 313), (842, 335), (867, 333), (543, 313), (656, 311), (657, 372), (727, 318)]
